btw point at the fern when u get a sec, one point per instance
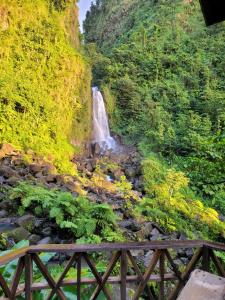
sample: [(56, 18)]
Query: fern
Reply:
[(76, 214)]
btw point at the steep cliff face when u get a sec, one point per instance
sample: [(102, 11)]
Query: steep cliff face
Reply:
[(45, 102)]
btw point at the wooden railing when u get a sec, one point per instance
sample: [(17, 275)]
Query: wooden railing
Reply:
[(121, 255)]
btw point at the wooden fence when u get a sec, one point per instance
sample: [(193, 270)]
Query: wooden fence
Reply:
[(204, 257)]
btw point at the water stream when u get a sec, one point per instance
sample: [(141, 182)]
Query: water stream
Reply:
[(101, 132)]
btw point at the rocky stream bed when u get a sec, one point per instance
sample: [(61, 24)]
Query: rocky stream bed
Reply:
[(15, 168)]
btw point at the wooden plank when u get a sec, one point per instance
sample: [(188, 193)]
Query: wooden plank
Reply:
[(147, 274), (140, 276), (154, 245), (217, 263), (215, 246), (123, 275), (48, 277), (97, 276), (105, 277), (12, 255), (109, 247), (16, 277), (190, 267), (111, 280), (161, 273), (28, 277)]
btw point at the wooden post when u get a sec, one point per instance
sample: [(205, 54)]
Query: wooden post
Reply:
[(79, 277), (205, 259), (123, 275), (162, 273), (28, 277), (217, 263)]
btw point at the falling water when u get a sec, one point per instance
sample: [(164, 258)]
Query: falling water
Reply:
[(101, 133)]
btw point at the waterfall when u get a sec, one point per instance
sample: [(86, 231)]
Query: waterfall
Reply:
[(101, 133)]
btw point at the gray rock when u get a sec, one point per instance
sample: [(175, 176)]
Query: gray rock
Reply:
[(221, 218), (51, 178), (3, 213), (46, 240), (155, 235), (19, 234), (148, 257), (154, 232), (46, 231), (27, 222), (96, 149), (130, 172), (130, 224), (6, 204), (35, 168), (7, 172), (13, 180), (89, 167), (39, 223), (147, 230), (34, 239), (39, 175), (189, 253), (137, 253)]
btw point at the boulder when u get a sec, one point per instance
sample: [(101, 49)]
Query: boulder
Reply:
[(39, 223), (137, 253), (12, 181), (35, 168), (19, 234), (203, 286), (3, 213), (49, 169), (147, 229), (19, 162), (27, 222), (147, 258), (155, 235), (96, 149), (46, 231), (130, 224), (6, 204), (130, 172), (51, 178), (7, 172), (46, 240), (34, 239)]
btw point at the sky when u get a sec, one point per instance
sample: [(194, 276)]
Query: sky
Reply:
[(84, 5)]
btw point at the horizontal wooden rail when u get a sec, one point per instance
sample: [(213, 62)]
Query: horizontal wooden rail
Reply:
[(121, 255)]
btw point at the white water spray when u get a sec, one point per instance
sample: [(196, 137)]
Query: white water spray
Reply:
[(101, 133)]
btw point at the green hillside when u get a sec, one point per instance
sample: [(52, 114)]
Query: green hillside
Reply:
[(44, 79), (162, 72)]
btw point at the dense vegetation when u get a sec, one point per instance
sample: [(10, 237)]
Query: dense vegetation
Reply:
[(44, 79), (86, 221), (162, 73)]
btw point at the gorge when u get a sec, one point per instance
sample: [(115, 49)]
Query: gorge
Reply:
[(138, 157)]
